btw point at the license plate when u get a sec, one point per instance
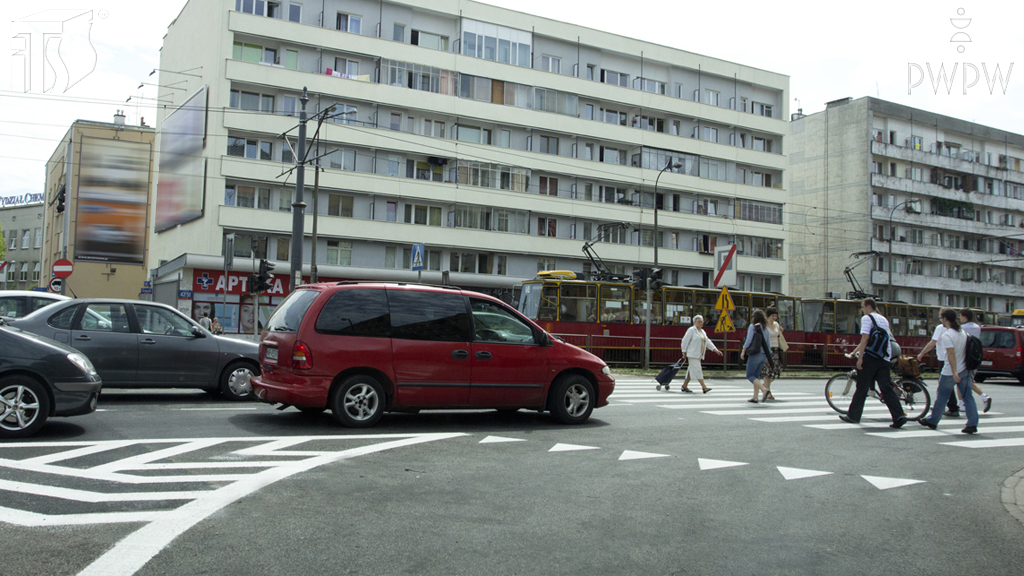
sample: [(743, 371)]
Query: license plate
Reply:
[(271, 354), (986, 362)]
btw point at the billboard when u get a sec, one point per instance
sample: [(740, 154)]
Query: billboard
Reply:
[(181, 187), (113, 197)]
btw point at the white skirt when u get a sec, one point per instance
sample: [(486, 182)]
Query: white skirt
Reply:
[(694, 370)]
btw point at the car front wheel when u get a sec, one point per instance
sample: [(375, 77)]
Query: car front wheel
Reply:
[(235, 382), (572, 399), (358, 402), (24, 407)]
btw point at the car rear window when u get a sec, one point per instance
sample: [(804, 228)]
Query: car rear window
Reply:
[(428, 316), (355, 312), (998, 339), (289, 313)]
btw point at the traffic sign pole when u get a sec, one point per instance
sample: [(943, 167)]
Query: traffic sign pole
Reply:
[(725, 325)]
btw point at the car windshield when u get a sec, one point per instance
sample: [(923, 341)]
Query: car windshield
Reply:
[(290, 312)]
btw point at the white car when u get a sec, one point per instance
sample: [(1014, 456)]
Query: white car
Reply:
[(18, 303)]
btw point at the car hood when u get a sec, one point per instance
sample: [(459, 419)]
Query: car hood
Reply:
[(234, 346), (42, 340)]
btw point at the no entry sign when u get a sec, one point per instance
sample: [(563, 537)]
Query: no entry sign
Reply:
[(62, 268)]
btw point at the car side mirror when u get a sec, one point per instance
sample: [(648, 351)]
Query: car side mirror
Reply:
[(545, 340), (198, 332)]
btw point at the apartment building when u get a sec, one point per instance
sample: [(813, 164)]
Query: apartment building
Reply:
[(500, 140), (21, 223), (96, 208), (938, 200)]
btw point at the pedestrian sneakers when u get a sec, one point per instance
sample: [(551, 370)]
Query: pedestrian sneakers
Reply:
[(899, 422), (924, 422), (847, 419), (970, 430), (988, 404)]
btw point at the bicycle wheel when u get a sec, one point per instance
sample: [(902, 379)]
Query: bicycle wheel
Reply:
[(914, 398), (839, 391)]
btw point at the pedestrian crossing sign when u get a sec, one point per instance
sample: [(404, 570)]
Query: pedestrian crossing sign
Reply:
[(725, 301), (417, 257), (725, 323)]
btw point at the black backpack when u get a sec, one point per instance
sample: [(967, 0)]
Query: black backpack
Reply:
[(878, 340), (974, 352)]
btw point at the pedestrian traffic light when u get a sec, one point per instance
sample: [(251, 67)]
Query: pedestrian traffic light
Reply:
[(252, 283), (656, 278), (61, 197)]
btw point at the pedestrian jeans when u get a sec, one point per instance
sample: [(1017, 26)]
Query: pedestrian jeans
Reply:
[(946, 389), (874, 370)]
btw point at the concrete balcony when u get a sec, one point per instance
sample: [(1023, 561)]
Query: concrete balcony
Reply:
[(924, 251), (919, 188), (947, 285), (946, 162)]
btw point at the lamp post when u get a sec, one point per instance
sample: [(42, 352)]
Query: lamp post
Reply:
[(890, 232), (647, 339)]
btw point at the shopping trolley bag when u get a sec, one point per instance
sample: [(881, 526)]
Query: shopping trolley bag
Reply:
[(664, 378)]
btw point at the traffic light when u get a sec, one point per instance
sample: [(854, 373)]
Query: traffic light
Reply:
[(640, 278), (252, 284), (262, 283), (61, 197), (656, 278)]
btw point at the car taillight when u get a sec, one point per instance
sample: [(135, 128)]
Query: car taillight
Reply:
[(1018, 352), (301, 357)]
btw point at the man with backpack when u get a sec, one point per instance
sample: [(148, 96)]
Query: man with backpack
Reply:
[(955, 374), (873, 354), (974, 348)]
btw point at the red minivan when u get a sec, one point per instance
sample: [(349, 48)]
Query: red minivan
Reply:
[(365, 348), (1003, 347)]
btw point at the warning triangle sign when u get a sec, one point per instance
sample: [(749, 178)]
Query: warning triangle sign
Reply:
[(725, 301), (725, 323)]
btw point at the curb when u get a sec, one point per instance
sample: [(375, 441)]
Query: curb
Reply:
[(1013, 496)]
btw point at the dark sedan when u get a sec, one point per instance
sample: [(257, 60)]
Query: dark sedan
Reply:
[(136, 344), (40, 378)]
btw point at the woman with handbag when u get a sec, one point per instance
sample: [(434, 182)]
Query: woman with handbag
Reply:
[(695, 344), (779, 346), (754, 348)]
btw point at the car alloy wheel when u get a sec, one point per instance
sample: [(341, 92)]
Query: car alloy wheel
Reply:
[(24, 407), (361, 402), (572, 399), (358, 402), (577, 400)]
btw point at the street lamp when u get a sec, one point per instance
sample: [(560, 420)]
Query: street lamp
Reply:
[(912, 201), (647, 339)]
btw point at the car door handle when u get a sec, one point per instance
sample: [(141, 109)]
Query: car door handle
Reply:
[(82, 337), (483, 355), (148, 341), (460, 354)]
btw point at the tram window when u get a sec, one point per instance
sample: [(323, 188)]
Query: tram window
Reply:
[(933, 318), (848, 317), (704, 304), (786, 317), (897, 315), (615, 304), (640, 300), (529, 299), (548, 303), (819, 316), (578, 303), (678, 307), (917, 322), (741, 316)]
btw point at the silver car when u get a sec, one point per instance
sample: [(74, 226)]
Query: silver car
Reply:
[(136, 344)]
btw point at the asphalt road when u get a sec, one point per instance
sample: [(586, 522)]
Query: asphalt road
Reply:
[(655, 483)]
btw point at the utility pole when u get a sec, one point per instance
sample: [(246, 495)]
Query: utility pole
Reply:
[(298, 206), (313, 276)]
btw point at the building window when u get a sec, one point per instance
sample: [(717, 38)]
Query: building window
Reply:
[(284, 248), (339, 253), (348, 23), (497, 43), (24, 272), (428, 40), (548, 145), (291, 59), (266, 150), (35, 272), (762, 109), (546, 264), (711, 97), (247, 52), (294, 12), (338, 205), (547, 227), (390, 256), (398, 34), (346, 66), (551, 64), (548, 186), (37, 238), (246, 197), (616, 78)]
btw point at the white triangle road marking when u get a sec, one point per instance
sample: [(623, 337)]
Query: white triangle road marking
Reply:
[(708, 464), (632, 455), (797, 473), (571, 447), (498, 439), (883, 483)]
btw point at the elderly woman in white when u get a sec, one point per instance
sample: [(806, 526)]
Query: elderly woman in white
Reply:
[(695, 344)]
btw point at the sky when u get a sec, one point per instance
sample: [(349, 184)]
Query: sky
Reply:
[(892, 50)]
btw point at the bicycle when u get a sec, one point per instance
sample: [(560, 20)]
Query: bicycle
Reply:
[(910, 390)]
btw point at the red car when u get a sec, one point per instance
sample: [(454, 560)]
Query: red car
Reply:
[(362, 349), (1003, 353)]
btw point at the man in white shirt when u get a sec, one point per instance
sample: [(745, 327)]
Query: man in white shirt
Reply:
[(954, 375), (968, 326), (952, 409), (873, 368)]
